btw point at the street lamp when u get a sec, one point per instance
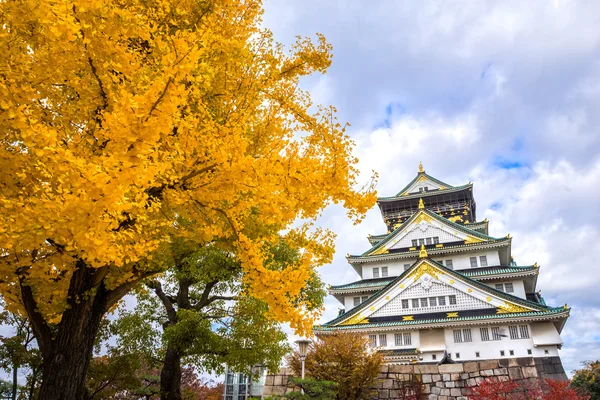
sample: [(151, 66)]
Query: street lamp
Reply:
[(303, 348)]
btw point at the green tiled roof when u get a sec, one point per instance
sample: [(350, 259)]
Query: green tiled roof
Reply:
[(419, 175), (550, 311), (450, 189), (365, 283), (496, 270), (475, 272), (400, 352), (458, 275), (439, 218)]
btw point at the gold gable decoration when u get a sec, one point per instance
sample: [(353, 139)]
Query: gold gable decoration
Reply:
[(423, 217), (356, 320), (472, 239), (511, 308), (422, 269), (421, 170), (421, 204)]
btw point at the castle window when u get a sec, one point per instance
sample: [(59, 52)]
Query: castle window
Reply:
[(434, 357), (407, 339), (458, 338), (398, 339), (483, 261), (373, 340), (441, 300), (384, 271), (436, 240), (432, 301), (457, 355), (424, 302), (415, 303), (449, 264), (383, 340), (500, 287), (524, 331), (473, 262), (356, 301), (508, 287), (501, 353), (406, 266), (375, 272), (467, 335), (452, 300), (364, 298), (529, 351), (514, 332), (485, 334), (427, 241), (496, 333), (421, 241), (518, 332), (415, 243), (404, 303), (546, 352), (511, 352), (476, 354)]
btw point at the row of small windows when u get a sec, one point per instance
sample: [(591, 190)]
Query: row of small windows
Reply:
[(400, 339), (428, 302), (384, 272), (448, 263), (502, 354), (515, 332), (429, 240)]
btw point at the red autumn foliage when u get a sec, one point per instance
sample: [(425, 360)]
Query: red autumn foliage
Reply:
[(494, 389)]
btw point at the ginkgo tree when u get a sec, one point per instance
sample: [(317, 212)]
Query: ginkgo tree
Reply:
[(124, 125)]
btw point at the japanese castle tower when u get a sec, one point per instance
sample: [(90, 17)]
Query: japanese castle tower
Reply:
[(437, 288)]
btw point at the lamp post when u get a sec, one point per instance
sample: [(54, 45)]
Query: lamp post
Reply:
[(303, 348)]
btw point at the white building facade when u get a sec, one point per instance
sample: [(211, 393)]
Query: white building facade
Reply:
[(436, 287)]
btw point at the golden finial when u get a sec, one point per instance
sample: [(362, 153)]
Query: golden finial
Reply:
[(565, 306), (423, 252), (421, 204), (485, 220), (421, 170), (508, 236), (536, 265)]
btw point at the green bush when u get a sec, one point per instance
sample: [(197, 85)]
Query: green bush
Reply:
[(313, 389)]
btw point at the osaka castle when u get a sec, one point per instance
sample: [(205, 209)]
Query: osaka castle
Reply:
[(437, 288)]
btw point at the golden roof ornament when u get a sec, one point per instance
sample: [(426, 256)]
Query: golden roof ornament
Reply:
[(421, 204), (423, 252), (421, 170)]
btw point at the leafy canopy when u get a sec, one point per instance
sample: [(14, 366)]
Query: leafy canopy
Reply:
[(126, 124)]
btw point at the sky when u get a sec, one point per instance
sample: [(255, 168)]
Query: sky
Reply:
[(503, 94)]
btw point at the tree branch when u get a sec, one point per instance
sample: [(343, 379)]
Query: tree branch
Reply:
[(40, 327), (157, 102), (171, 312)]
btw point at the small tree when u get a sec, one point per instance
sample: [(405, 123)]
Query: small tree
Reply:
[(343, 358), (587, 379)]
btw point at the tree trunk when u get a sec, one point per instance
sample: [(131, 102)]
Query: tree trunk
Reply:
[(65, 364), (14, 382), (67, 349), (170, 376), (34, 373)]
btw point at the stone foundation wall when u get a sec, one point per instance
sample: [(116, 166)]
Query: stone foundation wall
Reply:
[(444, 382)]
